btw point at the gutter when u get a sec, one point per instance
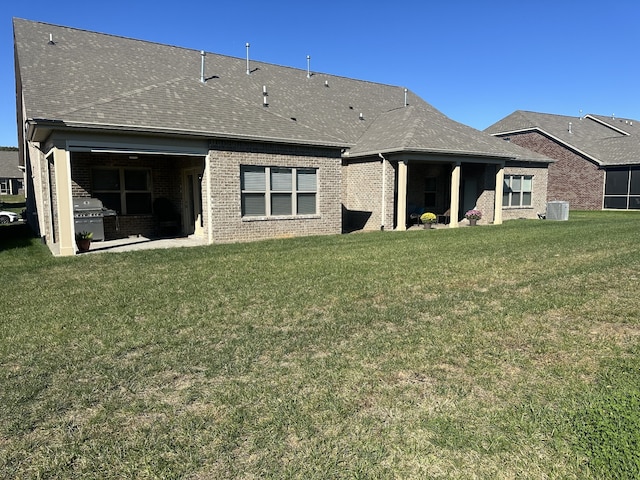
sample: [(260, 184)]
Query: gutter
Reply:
[(449, 153), (33, 124)]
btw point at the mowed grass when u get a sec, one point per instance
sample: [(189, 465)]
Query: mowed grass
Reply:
[(490, 352)]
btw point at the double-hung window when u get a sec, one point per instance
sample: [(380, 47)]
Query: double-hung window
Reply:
[(517, 191), (278, 191), (125, 190)]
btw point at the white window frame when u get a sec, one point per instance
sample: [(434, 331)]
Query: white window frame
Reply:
[(268, 191), (508, 190)]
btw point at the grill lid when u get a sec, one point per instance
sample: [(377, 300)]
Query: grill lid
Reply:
[(86, 204)]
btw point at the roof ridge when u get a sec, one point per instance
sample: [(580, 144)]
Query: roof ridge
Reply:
[(595, 118), (411, 133), (292, 119), (232, 57), (104, 101)]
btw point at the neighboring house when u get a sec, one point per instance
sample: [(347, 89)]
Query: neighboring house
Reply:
[(11, 177), (241, 150), (597, 158)]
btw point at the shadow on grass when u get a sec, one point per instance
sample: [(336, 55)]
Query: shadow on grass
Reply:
[(16, 236)]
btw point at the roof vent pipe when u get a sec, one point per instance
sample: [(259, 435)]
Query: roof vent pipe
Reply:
[(248, 71), (308, 66), (570, 124), (202, 55), (265, 102), (405, 97), (51, 42)]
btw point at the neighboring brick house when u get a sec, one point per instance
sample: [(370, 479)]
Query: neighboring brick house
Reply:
[(11, 178), (597, 158), (241, 150)]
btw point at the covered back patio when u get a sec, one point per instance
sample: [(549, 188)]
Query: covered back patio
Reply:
[(150, 189), (448, 189)]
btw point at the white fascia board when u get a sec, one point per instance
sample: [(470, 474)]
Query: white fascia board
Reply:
[(608, 125)]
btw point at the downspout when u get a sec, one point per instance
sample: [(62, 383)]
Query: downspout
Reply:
[(383, 207)]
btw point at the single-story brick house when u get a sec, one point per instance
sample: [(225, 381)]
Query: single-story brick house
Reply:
[(241, 150), (11, 177), (597, 157)]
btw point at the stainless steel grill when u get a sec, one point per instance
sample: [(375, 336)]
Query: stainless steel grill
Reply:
[(88, 216)]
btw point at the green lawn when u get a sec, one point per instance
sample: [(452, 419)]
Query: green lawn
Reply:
[(489, 352)]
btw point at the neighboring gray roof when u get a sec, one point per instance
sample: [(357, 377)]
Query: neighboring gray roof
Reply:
[(606, 140), (89, 79), (9, 164)]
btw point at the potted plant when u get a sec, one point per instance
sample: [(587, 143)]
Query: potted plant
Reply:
[(473, 216), (428, 219), (83, 241)]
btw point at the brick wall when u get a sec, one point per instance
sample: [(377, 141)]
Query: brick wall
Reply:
[(572, 178), (227, 222), (37, 197), (485, 176), (362, 196), (538, 193), (54, 235)]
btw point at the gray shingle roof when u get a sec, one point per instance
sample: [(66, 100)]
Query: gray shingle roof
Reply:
[(93, 79), (421, 128), (606, 140), (9, 164)]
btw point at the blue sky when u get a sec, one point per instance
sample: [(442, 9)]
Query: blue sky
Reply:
[(476, 61)]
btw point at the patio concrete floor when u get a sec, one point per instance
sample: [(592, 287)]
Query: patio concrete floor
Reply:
[(144, 243)]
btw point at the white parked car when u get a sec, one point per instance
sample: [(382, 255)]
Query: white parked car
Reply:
[(8, 217)]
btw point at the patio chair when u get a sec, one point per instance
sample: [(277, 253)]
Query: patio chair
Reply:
[(444, 218), (414, 214)]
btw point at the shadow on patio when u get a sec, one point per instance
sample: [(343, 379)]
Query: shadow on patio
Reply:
[(144, 243)]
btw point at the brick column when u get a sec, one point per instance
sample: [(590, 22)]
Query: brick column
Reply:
[(207, 204)]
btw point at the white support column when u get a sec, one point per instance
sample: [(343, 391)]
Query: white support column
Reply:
[(401, 207), (497, 214), (66, 228), (454, 207)]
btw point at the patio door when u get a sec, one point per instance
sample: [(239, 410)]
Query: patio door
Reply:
[(192, 201)]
